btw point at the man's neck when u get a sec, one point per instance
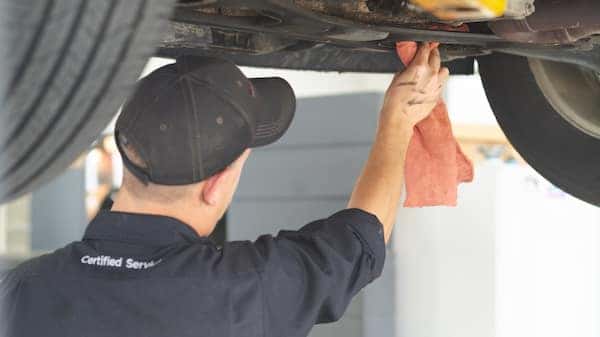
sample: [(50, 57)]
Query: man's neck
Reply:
[(125, 202)]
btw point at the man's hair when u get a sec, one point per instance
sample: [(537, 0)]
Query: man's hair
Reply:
[(151, 192)]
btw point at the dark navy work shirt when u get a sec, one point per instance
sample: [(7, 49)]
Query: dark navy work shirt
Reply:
[(146, 275)]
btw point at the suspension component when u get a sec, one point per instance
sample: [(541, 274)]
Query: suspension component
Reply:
[(554, 22)]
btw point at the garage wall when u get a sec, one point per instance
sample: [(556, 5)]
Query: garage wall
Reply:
[(309, 174), (446, 265), (516, 258)]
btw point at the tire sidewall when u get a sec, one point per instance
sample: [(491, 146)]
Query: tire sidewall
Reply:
[(560, 152)]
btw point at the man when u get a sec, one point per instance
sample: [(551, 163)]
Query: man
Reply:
[(146, 268)]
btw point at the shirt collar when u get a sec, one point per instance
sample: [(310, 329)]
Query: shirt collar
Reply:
[(146, 229)]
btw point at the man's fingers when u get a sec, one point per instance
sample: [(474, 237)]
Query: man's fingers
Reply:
[(443, 75), (422, 56), (435, 60), (396, 79)]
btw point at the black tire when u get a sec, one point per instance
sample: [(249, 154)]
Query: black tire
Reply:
[(67, 67), (562, 153)]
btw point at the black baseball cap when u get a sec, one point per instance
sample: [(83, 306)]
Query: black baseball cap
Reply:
[(191, 119)]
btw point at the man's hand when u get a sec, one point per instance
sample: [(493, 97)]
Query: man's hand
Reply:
[(411, 97), (415, 91)]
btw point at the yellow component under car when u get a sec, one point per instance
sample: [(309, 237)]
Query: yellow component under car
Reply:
[(463, 9)]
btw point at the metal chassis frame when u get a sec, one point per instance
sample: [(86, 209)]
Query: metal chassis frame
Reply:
[(295, 22)]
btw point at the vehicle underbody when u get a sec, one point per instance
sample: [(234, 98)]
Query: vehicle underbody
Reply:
[(565, 31)]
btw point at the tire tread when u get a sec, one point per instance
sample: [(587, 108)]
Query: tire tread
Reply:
[(92, 69)]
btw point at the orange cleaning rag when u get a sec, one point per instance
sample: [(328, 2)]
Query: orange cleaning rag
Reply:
[(435, 164)]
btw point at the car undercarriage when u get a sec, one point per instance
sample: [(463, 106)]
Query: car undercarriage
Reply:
[(240, 28)]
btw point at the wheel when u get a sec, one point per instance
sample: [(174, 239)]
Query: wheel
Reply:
[(66, 67), (550, 113)]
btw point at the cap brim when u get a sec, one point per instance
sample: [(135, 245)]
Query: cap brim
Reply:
[(276, 112)]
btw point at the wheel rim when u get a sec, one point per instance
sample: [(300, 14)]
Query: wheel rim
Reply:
[(573, 91)]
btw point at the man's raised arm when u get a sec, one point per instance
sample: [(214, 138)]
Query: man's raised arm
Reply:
[(410, 98)]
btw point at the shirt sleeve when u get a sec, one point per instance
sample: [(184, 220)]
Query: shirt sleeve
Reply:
[(310, 276)]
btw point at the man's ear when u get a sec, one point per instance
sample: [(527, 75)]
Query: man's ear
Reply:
[(216, 186), (238, 164), (211, 190)]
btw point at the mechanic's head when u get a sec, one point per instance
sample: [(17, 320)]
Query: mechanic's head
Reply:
[(185, 134)]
